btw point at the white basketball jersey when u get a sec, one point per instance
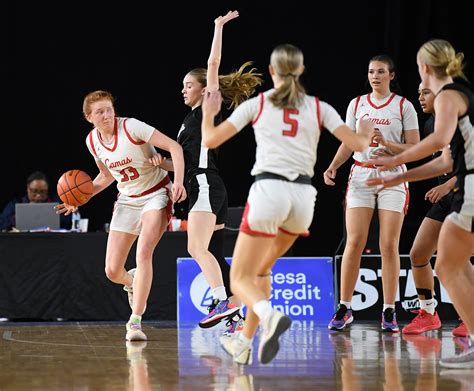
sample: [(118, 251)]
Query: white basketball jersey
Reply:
[(127, 156), (287, 139), (392, 116)]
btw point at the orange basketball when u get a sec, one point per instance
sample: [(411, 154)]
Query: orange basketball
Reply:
[(75, 187)]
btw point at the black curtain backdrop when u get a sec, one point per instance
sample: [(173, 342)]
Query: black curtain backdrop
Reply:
[(141, 51)]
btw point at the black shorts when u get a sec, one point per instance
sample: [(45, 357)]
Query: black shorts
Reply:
[(207, 193), (442, 208)]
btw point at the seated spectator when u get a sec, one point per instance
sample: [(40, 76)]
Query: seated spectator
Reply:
[(37, 190)]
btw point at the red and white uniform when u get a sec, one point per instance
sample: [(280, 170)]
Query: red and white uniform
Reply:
[(392, 116), (287, 141), (142, 186)]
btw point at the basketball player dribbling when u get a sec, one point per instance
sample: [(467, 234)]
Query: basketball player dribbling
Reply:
[(122, 149)]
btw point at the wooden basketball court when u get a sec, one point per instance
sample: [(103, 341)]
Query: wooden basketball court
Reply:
[(95, 356)]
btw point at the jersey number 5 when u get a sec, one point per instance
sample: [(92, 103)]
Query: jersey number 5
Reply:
[(290, 121), (129, 174)]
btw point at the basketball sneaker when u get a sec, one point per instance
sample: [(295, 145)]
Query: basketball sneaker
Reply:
[(460, 330), (342, 318), (389, 321), (422, 322), (274, 326), (464, 360), (134, 332), (234, 325), (129, 289), (218, 311), (238, 349)]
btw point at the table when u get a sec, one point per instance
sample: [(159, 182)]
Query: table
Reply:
[(51, 276)]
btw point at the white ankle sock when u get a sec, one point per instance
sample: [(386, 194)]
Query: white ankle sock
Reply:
[(428, 305), (263, 309), (346, 303), (219, 293), (134, 318), (385, 306)]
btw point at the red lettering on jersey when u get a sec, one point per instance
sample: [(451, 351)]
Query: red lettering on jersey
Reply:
[(119, 163), (377, 121)]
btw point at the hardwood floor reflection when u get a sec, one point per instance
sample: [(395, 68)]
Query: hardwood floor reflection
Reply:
[(94, 356)]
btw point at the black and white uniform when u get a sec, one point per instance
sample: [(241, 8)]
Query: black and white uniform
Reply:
[(462, 150), (205, 188), (442, 208), (392, 116), (142, 186), (287, 141)]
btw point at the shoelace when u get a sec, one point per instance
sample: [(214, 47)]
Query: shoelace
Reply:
[(213, 305), (421, 314), (341, 311)]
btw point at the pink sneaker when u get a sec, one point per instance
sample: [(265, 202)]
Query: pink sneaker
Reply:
[(423, 321), (461, 330)]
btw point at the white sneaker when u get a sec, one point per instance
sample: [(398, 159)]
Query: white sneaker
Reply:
[(275, 325), (238, 349), (134, 332), (129, 289), (464, 360)]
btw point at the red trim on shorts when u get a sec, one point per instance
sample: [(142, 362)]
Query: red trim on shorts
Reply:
[(169, 207), (382, 105), (262, 98), (245, 228), (318, 113), (91, 141), (347, 188), (360, 164), (158, 186), (407, 193), (304, 234), (130, 137)]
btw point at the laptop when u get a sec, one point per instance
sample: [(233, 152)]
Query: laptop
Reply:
[(36, 215)]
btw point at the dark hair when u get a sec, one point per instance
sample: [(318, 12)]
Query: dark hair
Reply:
[(37, 175), (394, 86)]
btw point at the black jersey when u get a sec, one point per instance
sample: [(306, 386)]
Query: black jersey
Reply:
[(428, 128), (462, 143), (198, 159)]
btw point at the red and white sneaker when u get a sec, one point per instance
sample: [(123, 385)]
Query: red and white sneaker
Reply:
[(422, 322), (461, 330)]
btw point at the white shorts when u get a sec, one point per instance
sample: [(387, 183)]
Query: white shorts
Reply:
[(463, 204), (462, 221), (128, 211), (360, 195), (275, 204)]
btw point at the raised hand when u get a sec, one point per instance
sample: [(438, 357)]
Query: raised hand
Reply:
[(221, 20), (211, 103)]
